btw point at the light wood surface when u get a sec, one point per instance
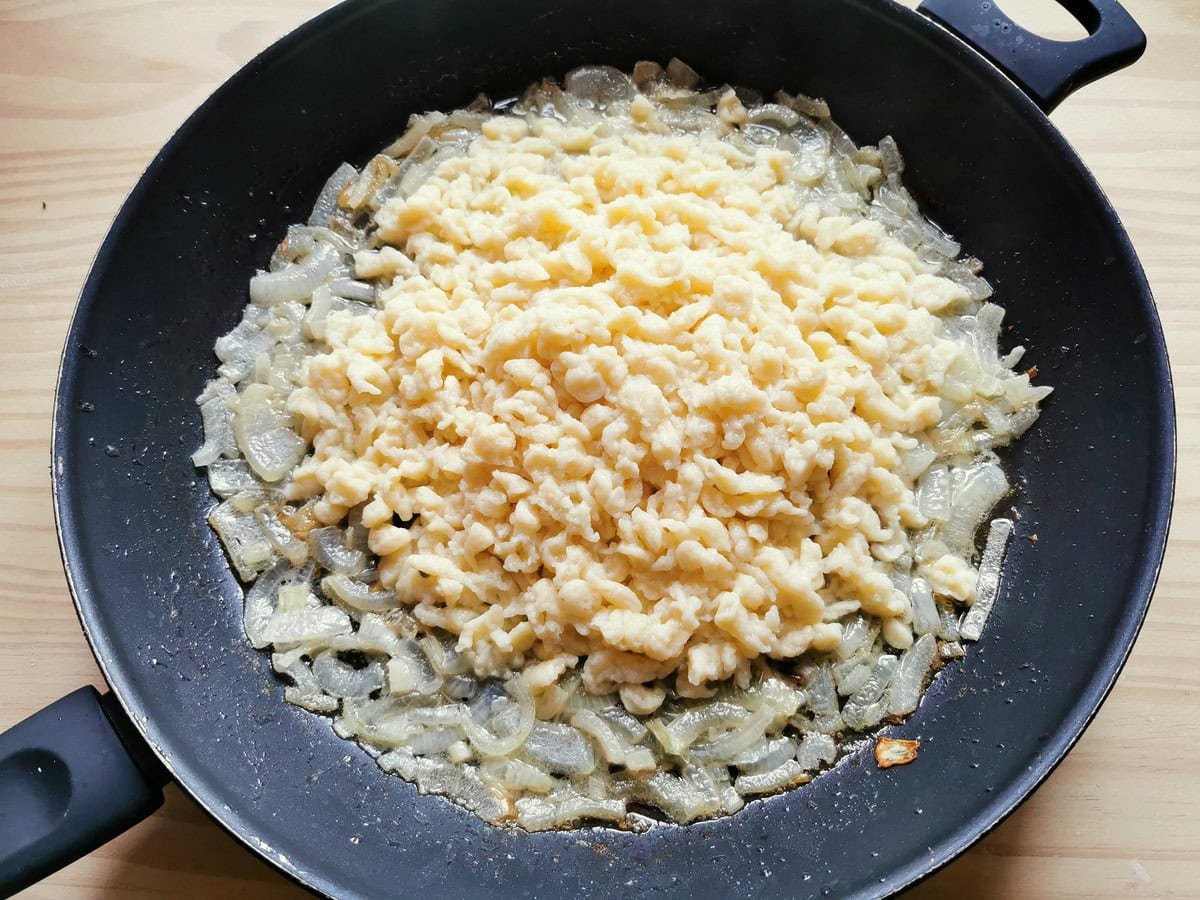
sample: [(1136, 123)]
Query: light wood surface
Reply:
[(90, 89)]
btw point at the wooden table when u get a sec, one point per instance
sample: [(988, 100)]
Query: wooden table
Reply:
[(90, 89)]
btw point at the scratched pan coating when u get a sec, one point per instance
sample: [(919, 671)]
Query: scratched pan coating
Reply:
[(162, 609)]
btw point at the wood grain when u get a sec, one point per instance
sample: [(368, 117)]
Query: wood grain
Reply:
[(90, 89)]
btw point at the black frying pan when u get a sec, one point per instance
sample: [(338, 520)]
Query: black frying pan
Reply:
[(162, 610)]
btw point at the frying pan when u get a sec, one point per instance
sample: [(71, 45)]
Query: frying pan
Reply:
[(192, 701)]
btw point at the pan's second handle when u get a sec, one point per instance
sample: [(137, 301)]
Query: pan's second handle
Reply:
[(1046, 70), (72, 776)]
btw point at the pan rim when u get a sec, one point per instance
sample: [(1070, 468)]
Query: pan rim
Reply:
[(966, 832)]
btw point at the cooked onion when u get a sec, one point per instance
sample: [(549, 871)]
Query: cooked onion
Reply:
[(264, 435), (296, 282), (482, 742)]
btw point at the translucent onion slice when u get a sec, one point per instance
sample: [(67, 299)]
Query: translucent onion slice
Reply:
[(259, 604), (787, 775), (331, 552), (297, 281), (438, 776), (866, 708), (559, 749), (765, 756), (304, 690), (933, 494), (247, 547), (599, 84), (982, 490), (822, 704), (488, 744), (358, 596), (905, 691), (341, 680), (773, 114), (522, 776), (286, 544), (326, 205), (989, 580), (238, 349), (409, 671), (264, 435), (611, 744), (750, 729), (227, 477), (815, 750), (434, 741), (536, 814), (683, 731), (217, 419), (311, 627)]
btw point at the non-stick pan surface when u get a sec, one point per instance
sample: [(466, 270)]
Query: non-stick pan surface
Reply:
[(162, 610)]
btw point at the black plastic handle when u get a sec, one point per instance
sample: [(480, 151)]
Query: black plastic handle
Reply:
[(72, 776), (1047, 70)]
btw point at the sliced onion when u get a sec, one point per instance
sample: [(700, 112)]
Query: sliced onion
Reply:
[(461, 783), (326, 205), (318, 312), (522, 776), (227, 477), (987, 335), (285, 543), (310, 627), (857, 636), (359, 596), (418, 128), (434, 741), (948, 622), (816, 749), (350, 289), (259, 604), (905, 691), (374, 636), (989, 580), (750, 729), (264, 435), (311, 235), (807, 106), (774, 114), (765, 755), (925, 611), (409, 671), (246, 545), (239, 348), (219, 441), (331, 552), (620, 719), (866, 708), (678, 798), (599, 84), (981, 490), (559, 749), (304, 691), (785, 776), (489, 744), (536, 814), (852, 675), (611, 744), (822, 704), (295, 282), (342, 680)]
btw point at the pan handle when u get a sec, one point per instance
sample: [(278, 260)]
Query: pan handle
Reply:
[(1048, 71), (72, 776)]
